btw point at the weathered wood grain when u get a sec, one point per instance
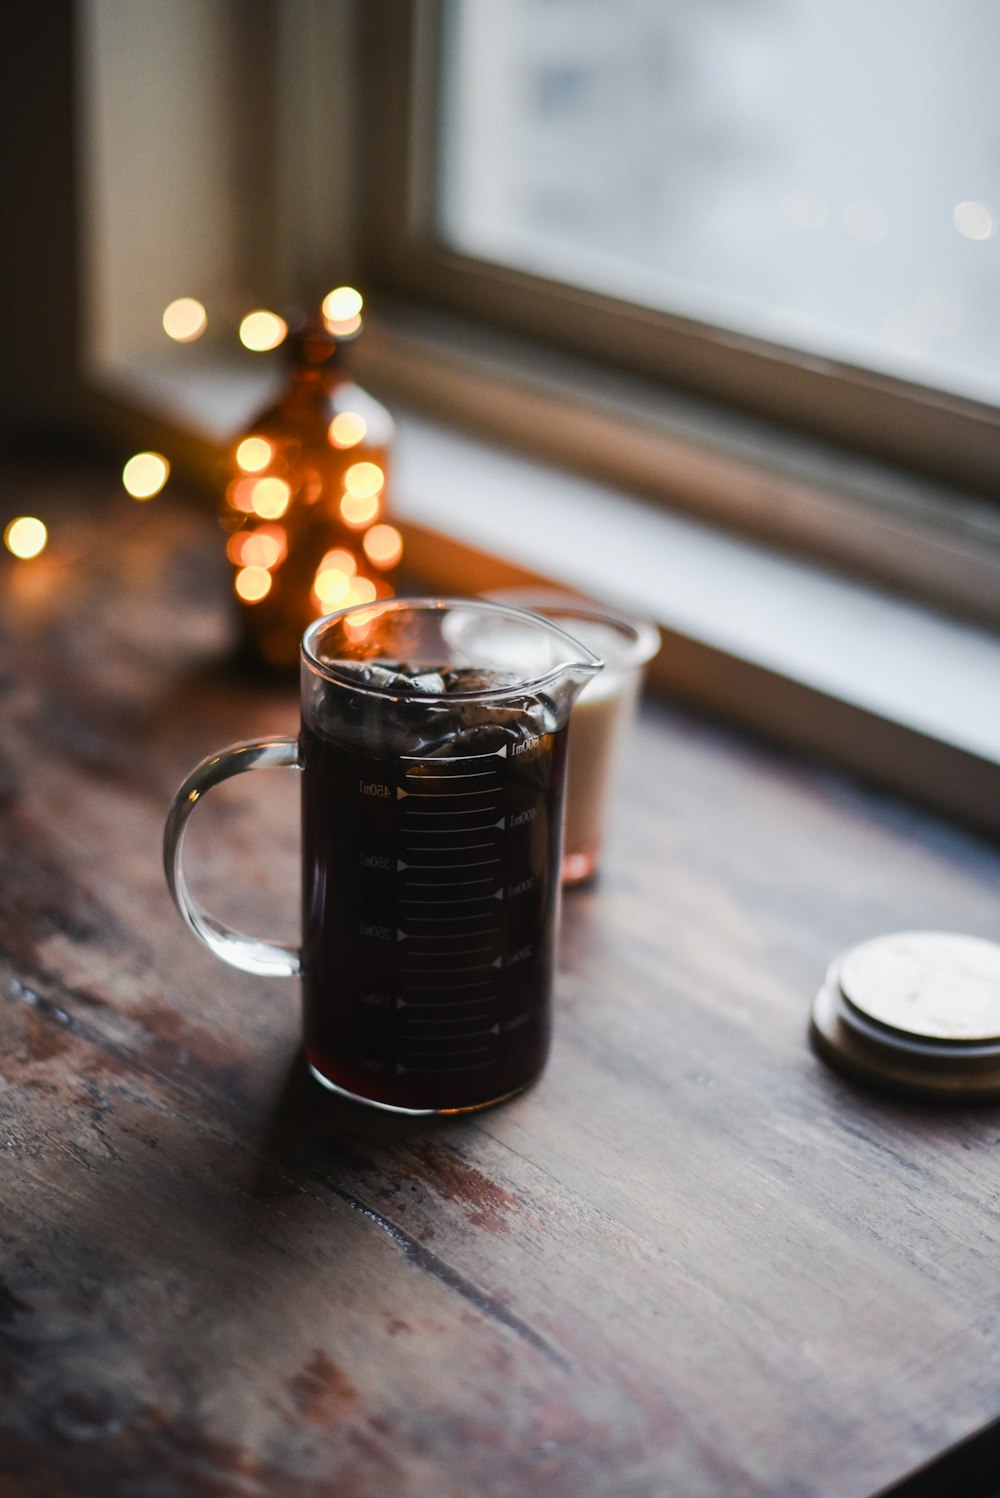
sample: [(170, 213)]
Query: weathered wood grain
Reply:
[(690, 1261)]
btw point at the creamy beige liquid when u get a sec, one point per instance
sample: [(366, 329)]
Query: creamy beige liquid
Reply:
[(598, 723)]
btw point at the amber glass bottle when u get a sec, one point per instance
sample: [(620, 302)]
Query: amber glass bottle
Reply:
[(305, 502)]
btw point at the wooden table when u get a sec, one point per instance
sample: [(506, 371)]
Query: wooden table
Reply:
[(691, 1261)]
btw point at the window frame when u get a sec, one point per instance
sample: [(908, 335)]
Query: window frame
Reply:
[(948, 438)]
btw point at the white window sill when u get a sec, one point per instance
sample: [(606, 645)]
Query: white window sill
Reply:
[(920, 537)]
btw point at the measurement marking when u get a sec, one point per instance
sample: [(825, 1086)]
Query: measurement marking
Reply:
[(478, 863), (461, 952), (441, 936), (451, 900), (482, 915), (448, 972), (462, 775), (446, 987), (456, 759), (486, 790), (451, 831), (427, 811), (458, 847), (462, 1019), (482, 998), (447, 883), (461, 1035)]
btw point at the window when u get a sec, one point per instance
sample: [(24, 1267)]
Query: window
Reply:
[(818, 176), (786, 206)]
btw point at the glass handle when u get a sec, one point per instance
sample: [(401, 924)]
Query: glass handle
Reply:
[(250, 954)]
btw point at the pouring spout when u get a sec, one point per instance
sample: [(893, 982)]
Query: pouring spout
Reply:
[(576, 674), (576, 664)]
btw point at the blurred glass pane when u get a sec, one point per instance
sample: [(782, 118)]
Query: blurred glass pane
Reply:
[(824, 176)]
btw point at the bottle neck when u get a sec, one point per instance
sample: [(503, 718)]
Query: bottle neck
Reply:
[(316, 359)]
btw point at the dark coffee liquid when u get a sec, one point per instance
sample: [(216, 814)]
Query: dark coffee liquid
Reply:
[(430, 890)]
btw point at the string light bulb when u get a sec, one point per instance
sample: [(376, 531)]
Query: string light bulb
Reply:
[(262, 331), (383, 545), (306, 482), (252, 584), (145, 474), (347, 429), (25, 537), (253, 454), (185, 319), (342, 311)]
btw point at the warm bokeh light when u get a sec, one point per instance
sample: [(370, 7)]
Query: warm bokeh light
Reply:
[(342, 311), (383, 545), (347, 429), (252, 584), (261, 330), (343, 303), (145, 475), (973, 220), (341, 558), (25, 537), (254, 454), (362, 590), (265, 547), (331, 587), (345, 329), (363, 479), (359, 626), (235, 545), (240, 495), (359, 509), (270, 498), (185, 319)]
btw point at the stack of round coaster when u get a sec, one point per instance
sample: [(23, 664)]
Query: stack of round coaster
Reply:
[(917, 1012)]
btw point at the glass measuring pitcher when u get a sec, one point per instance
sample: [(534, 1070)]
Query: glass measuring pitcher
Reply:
[(433, 760)]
